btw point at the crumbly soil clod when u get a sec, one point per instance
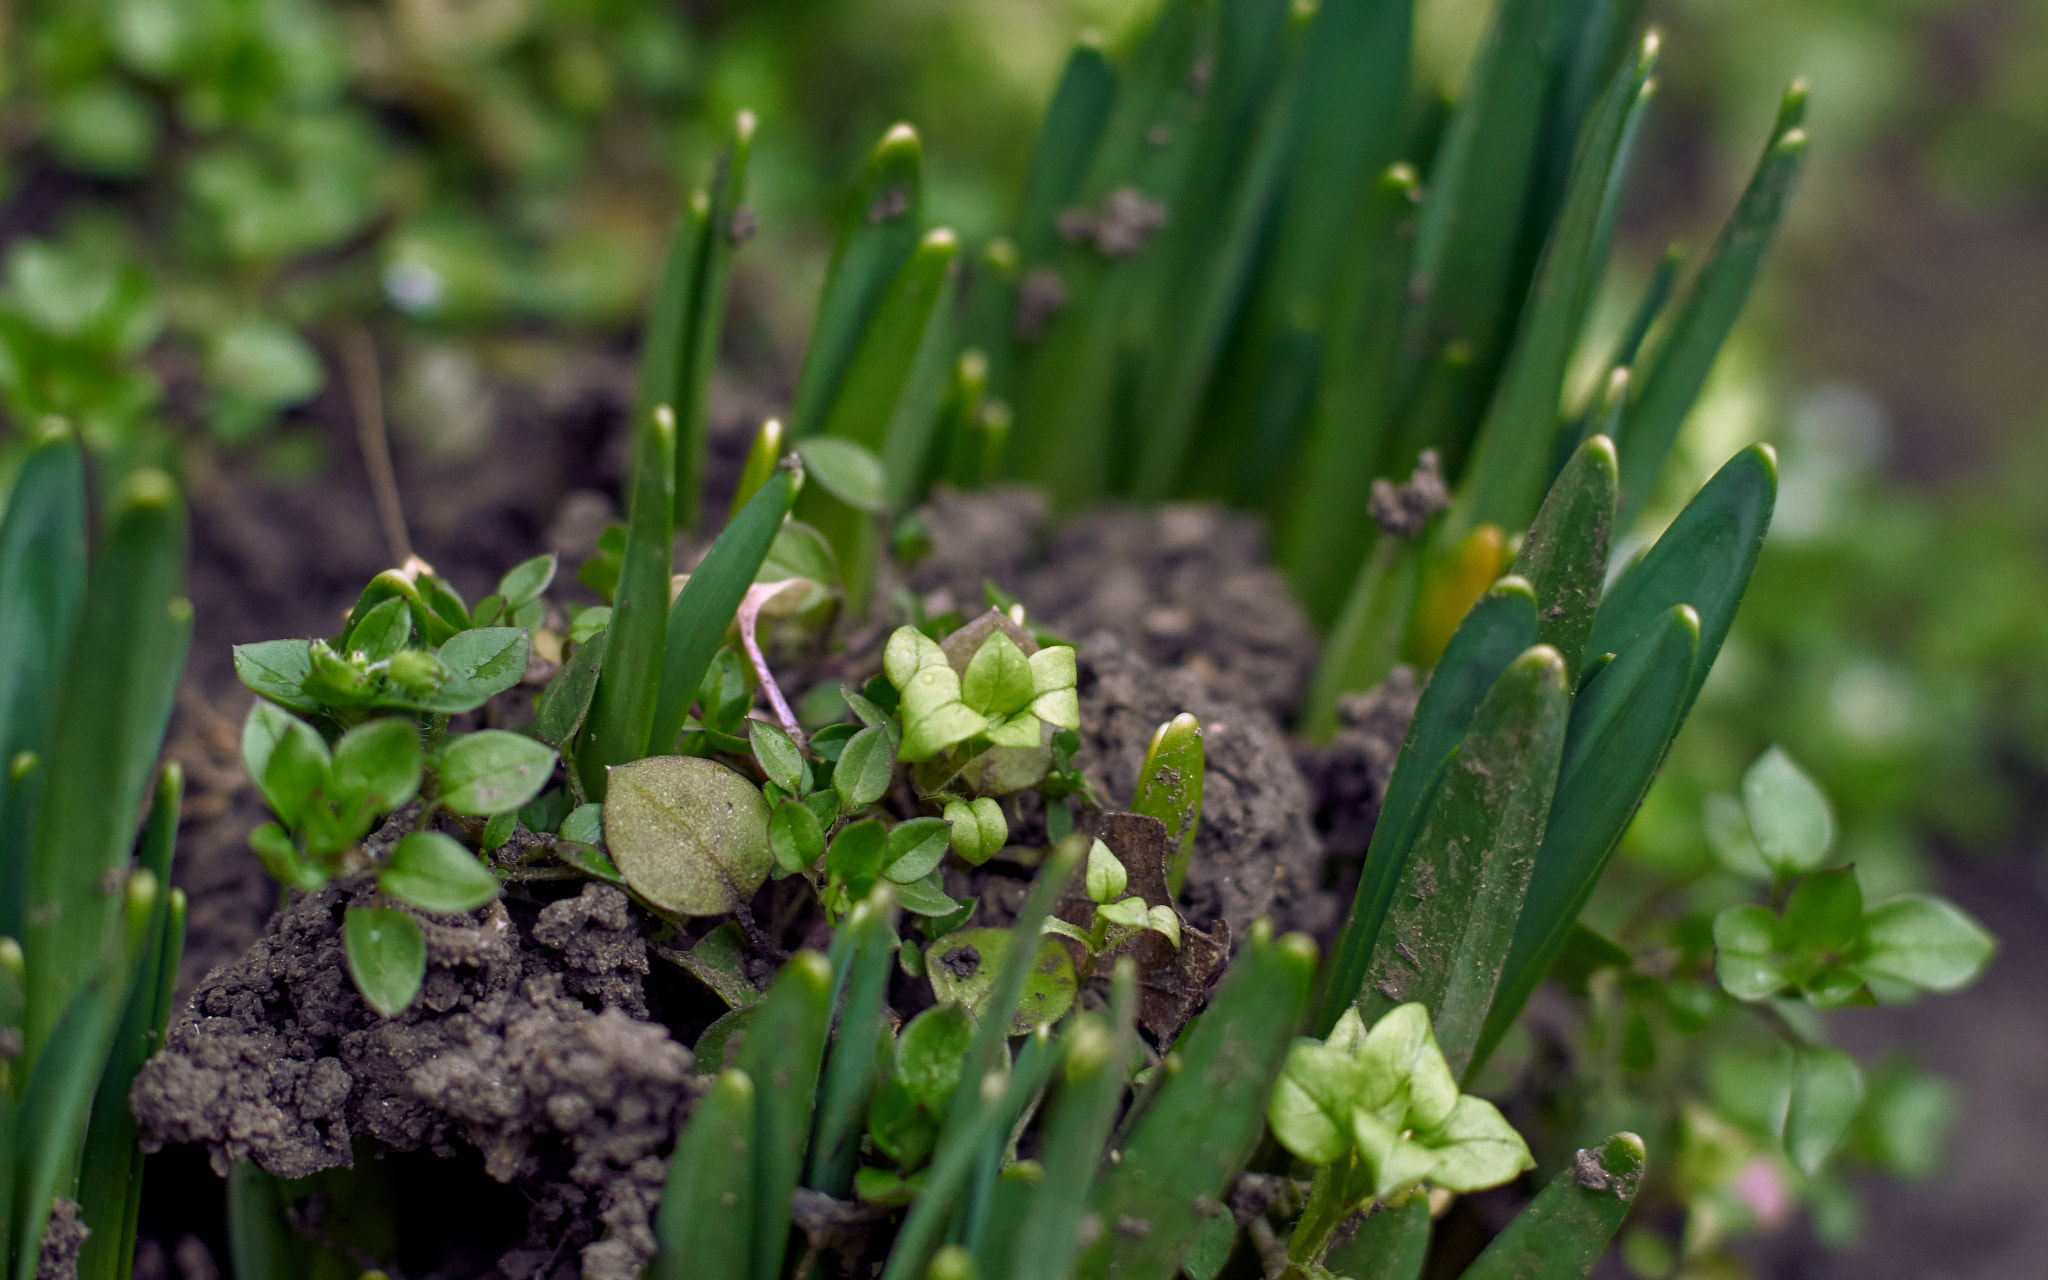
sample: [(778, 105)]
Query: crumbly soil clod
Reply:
[(279, 1060)]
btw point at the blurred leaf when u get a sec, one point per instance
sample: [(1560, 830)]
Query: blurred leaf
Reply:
[(1827, 1090), (1788, 815), (1926, 941)]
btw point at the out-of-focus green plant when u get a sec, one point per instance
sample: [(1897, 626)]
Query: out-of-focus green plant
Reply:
[(89, 661)]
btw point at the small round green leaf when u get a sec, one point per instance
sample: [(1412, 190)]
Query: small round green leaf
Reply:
[(387, 957), (926, 897), (846, 471), (435, 873), (862, 775), (998, 677), (1746, 958), (491, 771), (856, 855), (584, 825), (378, 762), (796, 837), (979, 829), (1106, 877), (689, 835), (526, 580), (964, 966), (1790, 817), (779, 757), (914, 849), (1927, 941), (1827, 1089)]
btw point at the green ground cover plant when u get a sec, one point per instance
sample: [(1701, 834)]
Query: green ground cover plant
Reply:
[(1242, 270)]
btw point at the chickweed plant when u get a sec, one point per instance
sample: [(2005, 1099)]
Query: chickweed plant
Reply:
[(1247, 266)]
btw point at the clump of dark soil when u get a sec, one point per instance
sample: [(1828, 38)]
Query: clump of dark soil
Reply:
[(279, 1060)]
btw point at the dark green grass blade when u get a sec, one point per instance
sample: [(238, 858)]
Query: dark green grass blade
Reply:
[(879, 233), (971, 1117), (889, 397), (1207, 1119), (1564, 557), (1326, 531), (697, 621), (1499, 627), (1621, 725), (1447, 932), (1347, 124), (42, 579), (120, 677), (50, 1124), (1067, 382), (704, 1225), (964, 1153), (782, 1054), (1215, 233), (110, 1169), (1391, 1245), (1682, 360), (1505, 482), (1077, 1133), (1074, 122), (1471, 263), (622, 711), (723, 229), (1704, 559), (261, 1242), (863, 953), (1592, 39), (1561, 1234), (1600, 414)]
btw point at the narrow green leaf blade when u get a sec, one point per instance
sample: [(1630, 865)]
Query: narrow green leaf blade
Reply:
[(1564, 556), (1503, 485), (1621, 725), (42, 574), (1067, 140), (1097, 1053), (705, 1222), (1391, 1245), (783, 1051), (1200, 1130), (1447, 932), (864, 950), (634, 682), (1704, 560), (50, 1123), (110, 1166), (119, 682), (698, 620), (1327, 529), (1470, 261), (878, 234), (1683, 359), (1498, 628), (1565, 1229)]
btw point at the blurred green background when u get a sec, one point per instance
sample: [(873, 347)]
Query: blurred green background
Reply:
[(200, 199)]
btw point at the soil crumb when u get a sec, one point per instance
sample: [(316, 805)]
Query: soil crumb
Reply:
[(524, 1048), (62, 1240), (1350, 775)]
